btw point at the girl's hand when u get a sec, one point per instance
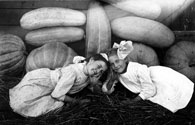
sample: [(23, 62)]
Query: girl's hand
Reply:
[(126, 102), (131, 101), (83, 101)]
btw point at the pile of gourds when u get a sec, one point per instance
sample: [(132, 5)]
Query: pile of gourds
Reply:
[(145, 22)]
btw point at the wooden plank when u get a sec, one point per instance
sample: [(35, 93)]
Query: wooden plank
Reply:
[(73, 4), (184, 35), (186, 20), (16, 30), (11, 16)]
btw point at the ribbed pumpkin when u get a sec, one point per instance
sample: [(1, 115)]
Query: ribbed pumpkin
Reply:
[(12, 54), (50, 55), (181, 57), (143, 54)]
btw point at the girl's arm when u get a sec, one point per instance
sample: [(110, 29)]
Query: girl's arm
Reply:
[(148, 88), (109, 84), (64, 84), (70, 99)]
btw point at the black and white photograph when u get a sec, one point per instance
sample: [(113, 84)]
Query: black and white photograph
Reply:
[(97, 62)]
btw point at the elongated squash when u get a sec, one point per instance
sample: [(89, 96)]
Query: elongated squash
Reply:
[(143, 30), (52, 16), (54, 34), (114, 12), (98, 31), (141, 8), (51, 55), (12, 54), (170, 9)]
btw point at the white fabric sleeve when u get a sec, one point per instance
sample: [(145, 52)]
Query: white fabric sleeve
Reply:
[(64, 84), (148, 89), (78, 59)]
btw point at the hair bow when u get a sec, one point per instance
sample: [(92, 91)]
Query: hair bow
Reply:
[(124, 48)]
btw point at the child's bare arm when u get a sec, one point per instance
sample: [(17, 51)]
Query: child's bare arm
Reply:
[(136, 99), (131, 101), (70, 99)]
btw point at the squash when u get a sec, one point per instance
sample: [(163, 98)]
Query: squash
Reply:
[(181, 57), (12, 54), (170, 9), (143, 54), (52, 16), (98, 31), (54, 34), (143, 30), (141, 8), (51, 55), (114, 12)]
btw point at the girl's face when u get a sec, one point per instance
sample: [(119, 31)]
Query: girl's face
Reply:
[(96, 68), (118, 65)]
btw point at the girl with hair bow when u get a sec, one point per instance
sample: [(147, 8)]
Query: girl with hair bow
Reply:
[(44, 90), (158, 84)]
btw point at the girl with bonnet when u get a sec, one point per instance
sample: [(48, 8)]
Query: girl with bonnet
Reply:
[(158, 84)]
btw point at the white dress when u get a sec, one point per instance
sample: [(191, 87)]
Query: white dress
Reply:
[(44, 90), (161, 85)]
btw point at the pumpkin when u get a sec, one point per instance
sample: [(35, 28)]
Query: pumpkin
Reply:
[(143, 54), (98, 31), (52, 16), (54, 34), (12, 54), (143, 30), (51, 55), (181, 57)]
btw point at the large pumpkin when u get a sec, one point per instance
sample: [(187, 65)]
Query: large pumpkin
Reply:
[(181, 57), (12, 54), (143, 54), (50, 55)]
